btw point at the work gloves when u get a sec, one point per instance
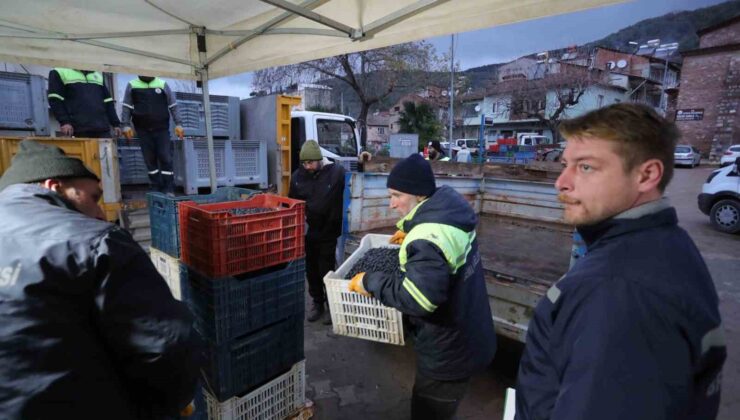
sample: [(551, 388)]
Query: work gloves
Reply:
[(128, 132), (355, 285), (179, 132), (397, 238)]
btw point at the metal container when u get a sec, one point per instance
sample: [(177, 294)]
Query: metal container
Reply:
[(224, 115), (403, 145), (23, 105)]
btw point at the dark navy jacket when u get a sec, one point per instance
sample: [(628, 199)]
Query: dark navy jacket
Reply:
[(323, 192), (448, 311), (632, 331), (89, 328)]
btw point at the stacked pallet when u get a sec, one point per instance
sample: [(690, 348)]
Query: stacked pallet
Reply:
[(236, 259)]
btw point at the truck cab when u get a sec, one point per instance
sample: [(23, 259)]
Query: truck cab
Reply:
[(336, 134)]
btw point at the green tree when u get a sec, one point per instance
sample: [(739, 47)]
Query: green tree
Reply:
[(420, 119)]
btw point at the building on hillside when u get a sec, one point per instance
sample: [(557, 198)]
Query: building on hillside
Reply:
[(378, 130), (532, 89), (709, 99)]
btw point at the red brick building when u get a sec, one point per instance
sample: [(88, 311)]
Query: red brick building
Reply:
[(709, 98)]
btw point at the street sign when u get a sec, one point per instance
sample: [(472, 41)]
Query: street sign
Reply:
[(692, 114)]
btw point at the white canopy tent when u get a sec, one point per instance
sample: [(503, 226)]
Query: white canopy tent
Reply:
[(197, 39)]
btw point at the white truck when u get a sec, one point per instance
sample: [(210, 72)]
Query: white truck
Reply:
[(336, 134), (272, 119)]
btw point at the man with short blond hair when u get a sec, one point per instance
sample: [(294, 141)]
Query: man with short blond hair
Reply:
[(633, 330)]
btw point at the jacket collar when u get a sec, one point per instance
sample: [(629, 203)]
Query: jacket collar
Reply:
[(444, 206), (33, 191), (648, 215)]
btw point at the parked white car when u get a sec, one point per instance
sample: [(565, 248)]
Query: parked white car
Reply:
[(732, 153), (686, 155), (720, 198)]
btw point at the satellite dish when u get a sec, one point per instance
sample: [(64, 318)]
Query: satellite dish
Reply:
[(609, 65), (477, 108), (622, 64), (444, 93)]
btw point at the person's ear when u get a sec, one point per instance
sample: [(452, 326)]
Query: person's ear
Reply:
[(52, 184), (649, 174)]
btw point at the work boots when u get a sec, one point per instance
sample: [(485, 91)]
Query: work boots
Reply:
[(317, 310)]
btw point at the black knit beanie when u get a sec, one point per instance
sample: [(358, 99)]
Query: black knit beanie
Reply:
[(412, 175), (36, 162)]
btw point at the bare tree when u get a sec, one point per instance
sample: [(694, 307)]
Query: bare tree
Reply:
[(547, 99), (372, 75)]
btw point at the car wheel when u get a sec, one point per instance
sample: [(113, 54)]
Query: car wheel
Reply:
[(725, 216)]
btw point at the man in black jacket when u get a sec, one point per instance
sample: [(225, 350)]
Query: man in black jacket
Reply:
[(633, 330), (82, 104), (149, 102), (321, 185), (90, 329), (443, 291)]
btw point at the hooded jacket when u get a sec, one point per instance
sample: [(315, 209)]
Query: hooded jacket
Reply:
[(632, 331), (443, 291), (89, 328)]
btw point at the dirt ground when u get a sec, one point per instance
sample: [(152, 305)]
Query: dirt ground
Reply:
[(349, 378)]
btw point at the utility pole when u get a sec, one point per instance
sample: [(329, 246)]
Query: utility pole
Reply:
[(451, 119)]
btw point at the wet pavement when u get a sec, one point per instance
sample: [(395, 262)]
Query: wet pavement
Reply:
[(356, 379)]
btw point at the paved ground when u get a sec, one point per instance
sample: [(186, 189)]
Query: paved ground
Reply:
[(349, 378)]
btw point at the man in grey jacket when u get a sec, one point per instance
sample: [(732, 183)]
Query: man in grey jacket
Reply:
[(89, 328)]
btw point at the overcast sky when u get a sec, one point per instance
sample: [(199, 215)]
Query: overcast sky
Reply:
[(504, 43)]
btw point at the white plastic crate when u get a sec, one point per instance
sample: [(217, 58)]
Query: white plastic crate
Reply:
[(169, 267), (275, 400), (354, 315)]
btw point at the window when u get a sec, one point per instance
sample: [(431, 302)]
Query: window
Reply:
[(600, 101), (493, 107), (381, 130), (683, 149), (337, 137), (397, 109)]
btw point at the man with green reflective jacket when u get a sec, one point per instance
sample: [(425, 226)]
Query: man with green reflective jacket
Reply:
[(443, 291), (82, 104), (149, 102)]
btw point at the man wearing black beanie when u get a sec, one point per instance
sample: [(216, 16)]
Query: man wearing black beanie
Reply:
[(90, 329), (443, 291)]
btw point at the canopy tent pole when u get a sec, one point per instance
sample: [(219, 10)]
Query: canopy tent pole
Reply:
[(200, 35), (209, 129)]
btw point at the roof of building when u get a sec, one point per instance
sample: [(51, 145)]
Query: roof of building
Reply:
[(720, 25)]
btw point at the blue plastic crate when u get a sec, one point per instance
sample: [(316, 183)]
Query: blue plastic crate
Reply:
[(230, 307), (164, 216), (240, 365)]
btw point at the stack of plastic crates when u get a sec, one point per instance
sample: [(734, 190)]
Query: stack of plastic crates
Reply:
[(244, 271)]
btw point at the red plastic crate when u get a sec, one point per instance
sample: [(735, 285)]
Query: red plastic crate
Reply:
[(218, 243)]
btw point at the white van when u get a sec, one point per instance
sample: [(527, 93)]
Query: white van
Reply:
[(720, 198)]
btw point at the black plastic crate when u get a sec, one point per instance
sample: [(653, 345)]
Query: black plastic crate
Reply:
[(165, 219), (240, 365), (230, 307)]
